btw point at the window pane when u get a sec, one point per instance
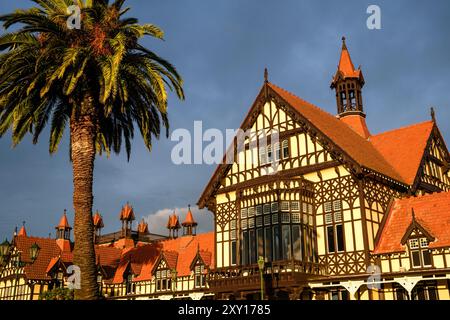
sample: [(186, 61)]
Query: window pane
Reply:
[(432, 293), (233, 252), (297, 240), (286, 232), (268, 244), (276, 243), (416, 259), (330, 238), (252, 252), (260, 239), (245, 248), (414, 244), (340, 237), (426, 257)]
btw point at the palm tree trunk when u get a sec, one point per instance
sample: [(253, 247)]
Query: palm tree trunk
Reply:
[(82, 139)]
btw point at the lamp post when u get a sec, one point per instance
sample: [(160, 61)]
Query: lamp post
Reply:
[(261, 270), (7, 256)]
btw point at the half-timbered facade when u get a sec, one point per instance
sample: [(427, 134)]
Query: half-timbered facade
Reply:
[(131, 264), (309, 192)]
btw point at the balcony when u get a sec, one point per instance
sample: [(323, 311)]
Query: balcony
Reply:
[(279, 274)]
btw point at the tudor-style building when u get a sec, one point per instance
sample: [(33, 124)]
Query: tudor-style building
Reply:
[(131, 264), (318, 203)]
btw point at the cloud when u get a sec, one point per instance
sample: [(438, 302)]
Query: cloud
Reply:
[(157, 221)]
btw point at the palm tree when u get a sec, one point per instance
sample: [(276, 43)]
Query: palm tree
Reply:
[(98, 80)]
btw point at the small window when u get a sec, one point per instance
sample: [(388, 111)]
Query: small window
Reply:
[(285, 217), (275, 218), (338, 216), (259, 221), (244, 213), (267, 220), (258, 210), (277, 151), (285, 206), (328, 207), (233, 234), (251, 211), (295, 216), (266, 208), (251, 222), (244, 224), (262, 156), (328, 218), (274, 207), (285, 149), (269, 154), (414, 244), (294, 206)]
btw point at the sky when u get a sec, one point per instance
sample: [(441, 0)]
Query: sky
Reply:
[(221, 48)]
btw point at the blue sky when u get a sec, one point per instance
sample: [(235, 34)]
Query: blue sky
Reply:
[(221, 48)]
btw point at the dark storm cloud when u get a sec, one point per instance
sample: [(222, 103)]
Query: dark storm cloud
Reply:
[(221, 48)]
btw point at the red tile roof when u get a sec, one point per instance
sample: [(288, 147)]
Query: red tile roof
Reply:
[(48, 250), (432, 212), (358, 148), (178, 252), (404, 148), (358, 124)]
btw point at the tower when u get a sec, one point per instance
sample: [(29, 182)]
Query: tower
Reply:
[(189, 224), (143, 227), (63, 233), (173, 225), (98, 225), (348, 83), (127, 218)]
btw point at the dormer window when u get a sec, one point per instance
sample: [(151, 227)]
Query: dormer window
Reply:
[(163, 280), (419, 252), (199, 276), (129, 285)]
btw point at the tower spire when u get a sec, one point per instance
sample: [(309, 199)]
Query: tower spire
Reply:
[(348, 83)]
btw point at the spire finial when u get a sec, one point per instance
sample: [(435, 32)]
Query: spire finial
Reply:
[(266, 75), (23, 223), (433, 114), (344, 46), (65, 211)]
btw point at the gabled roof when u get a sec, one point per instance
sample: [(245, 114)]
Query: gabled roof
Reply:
[(432, 213), (179, 253), (356, 147), (404, 148)]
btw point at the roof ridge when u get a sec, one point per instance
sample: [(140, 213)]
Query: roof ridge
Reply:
[(357, 136), (303, 100), (401, 128)]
